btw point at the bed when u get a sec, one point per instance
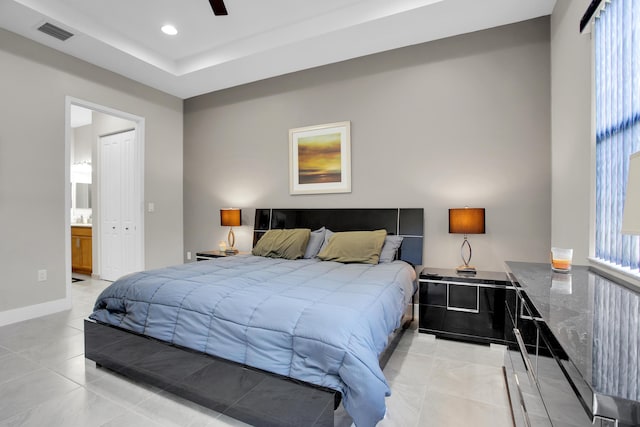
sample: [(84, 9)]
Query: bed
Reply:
[(267, 341)]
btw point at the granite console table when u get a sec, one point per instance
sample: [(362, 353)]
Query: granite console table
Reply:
[(596, 323)]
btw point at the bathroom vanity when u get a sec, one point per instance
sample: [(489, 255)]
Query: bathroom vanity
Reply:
[(81, 248)]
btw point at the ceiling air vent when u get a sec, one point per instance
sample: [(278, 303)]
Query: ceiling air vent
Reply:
[(55, 31)]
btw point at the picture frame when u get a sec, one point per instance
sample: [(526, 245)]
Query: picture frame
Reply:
[(320, 159)]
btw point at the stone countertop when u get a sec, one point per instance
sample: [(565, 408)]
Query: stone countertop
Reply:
[(597, 323), (82, 225)]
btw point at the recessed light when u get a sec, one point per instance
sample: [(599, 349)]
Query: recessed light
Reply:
[(169, 29)]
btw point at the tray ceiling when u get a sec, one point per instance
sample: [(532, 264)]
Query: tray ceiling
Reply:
[(258, 39)]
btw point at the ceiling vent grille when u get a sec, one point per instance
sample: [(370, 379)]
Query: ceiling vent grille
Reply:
[(55, 31)]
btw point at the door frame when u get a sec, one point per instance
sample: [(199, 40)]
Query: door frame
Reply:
[(138, 178)]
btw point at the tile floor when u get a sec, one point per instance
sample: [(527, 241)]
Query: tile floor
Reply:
[(46, 381)]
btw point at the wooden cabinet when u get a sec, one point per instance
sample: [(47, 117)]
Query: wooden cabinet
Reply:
[(81, 250)]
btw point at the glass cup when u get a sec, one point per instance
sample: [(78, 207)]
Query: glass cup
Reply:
[(561, 259)]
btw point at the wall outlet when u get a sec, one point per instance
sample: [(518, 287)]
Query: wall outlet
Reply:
[(189, 255), (42, 275)]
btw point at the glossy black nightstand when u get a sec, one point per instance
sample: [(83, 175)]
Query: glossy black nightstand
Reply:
[(205, 255), (463, 306)]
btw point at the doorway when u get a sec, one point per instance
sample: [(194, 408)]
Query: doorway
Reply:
[(84, 208)]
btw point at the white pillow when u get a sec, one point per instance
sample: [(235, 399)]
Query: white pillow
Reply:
[(316, 241), (390, 248)]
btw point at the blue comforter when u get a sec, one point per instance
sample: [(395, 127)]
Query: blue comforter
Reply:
[(321, 322)]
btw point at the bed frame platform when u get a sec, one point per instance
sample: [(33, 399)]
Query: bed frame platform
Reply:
[(245, 393)]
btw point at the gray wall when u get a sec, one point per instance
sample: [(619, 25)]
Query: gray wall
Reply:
[(573, 136), (34, 81), (572, 153), (460, 121)]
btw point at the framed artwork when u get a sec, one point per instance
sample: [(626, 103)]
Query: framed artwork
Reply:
[(320, 159)]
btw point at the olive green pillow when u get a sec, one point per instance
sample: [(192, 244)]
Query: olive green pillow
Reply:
[(354, 246), (288, 244)]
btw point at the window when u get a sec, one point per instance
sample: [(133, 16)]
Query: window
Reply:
[(617, 81)]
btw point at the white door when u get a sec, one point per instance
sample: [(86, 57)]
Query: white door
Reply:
[(119, 217)]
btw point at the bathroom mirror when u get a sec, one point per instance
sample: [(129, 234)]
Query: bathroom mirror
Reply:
[(83, 196)]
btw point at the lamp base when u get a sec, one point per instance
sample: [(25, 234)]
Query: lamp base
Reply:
[(466, 269), (231, 251)]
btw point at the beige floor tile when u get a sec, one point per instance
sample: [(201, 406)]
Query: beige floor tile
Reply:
[(131, 419), (26, 335), (472, 353), (171, 410), (32, 389), (4, 352), (14, 366), (481, 383), (225, 421), (417, 343), (78, 408), (121, 390), (433, 382), (446, 410), (53, 353), (404, 405), (80, 370), (408, 368)]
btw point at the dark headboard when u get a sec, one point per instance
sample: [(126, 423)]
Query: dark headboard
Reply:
[(408, 223)]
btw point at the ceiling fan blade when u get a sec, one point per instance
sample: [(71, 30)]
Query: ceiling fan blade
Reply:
[(218, 7)]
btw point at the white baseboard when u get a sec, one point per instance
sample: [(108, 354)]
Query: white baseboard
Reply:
[(32, 311)]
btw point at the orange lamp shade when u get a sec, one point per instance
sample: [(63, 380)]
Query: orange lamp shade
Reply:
[(466, 221), (230, 217)]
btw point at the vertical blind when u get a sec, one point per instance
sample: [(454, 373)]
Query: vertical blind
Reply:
[(616, 340), (617, 85)]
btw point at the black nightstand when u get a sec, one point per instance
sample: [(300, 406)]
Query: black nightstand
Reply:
[(464, 306), (205, 255)]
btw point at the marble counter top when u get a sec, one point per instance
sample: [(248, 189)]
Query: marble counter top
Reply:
[(597, 323)]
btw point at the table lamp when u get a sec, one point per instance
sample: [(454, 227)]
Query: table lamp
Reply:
[(230, 217), (466, 221), (631, 213)]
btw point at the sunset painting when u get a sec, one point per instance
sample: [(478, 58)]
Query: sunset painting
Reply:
[(320, 159)]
